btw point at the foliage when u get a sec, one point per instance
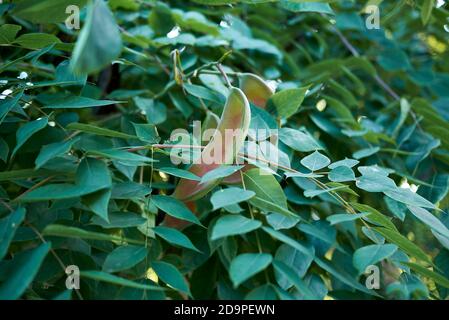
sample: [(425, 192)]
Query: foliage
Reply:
[(86, 177)]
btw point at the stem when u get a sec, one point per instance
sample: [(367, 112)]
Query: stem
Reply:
[(225, 76)]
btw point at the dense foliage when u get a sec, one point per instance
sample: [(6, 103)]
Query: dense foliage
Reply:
[(360, 133)]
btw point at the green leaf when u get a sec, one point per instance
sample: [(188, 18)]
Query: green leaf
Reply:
[(269, 206), (296, 6), (402, 242), (8, 33), (119, 220), (121, 155), (345, 162), (409, 198), (375, 183), (438, 278), (286, 103), (426, 10), (298, 140), (297, 261), (8, 104), (74, 102), (123, 258), (99, 42), (230, 196), (372, 254), (345, 217), (230, 225), (98, 202), (280, 221), (8, 227), (175, 237), (72, 232), (314, 193), (341, 174), (88, 128), (363, 153), (36, 40), (146, 132), (174, 208), (289, 241), (374, 215), (130, 190), (219, 173), (247, 265), (4, 150), (315, 161), (53, 150), (180, 173), (292, 276), (171, 276), (204, 93), (265, 186), (22, 173), (110, 278), (93, 175), (429, 219), (342, 276), (27, 130), (25, 267), (45, 11)]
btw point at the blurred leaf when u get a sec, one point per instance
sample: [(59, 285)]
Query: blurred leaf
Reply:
[(25, 267), (8, 227), (99, 42)]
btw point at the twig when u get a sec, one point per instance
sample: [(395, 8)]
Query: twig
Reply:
[(223, 73), (34, 187), (53, 252)]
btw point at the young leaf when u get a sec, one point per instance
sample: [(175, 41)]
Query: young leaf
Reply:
[(315, 161)]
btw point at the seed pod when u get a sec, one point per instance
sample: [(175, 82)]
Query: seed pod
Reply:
[(258, 92), (235, 117), (256, 89), (210, 123)]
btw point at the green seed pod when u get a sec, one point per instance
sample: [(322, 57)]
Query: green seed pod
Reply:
[(235, 119), (256, 89), (258, 92)]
